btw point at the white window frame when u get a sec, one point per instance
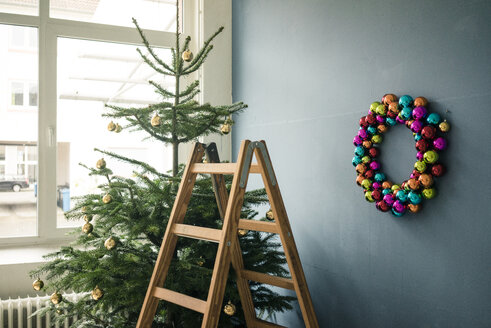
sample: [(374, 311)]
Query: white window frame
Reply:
[(201, 18)]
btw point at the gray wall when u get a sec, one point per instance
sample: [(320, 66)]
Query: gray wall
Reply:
[(309, 70)]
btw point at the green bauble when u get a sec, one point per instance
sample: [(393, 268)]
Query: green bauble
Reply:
[(430, 157)]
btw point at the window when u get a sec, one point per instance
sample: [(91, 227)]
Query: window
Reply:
[(24, 7), (24, 94)]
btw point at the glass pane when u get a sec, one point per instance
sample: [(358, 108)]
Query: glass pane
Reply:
[(33, 94), (18, 131), (24, 7), (157, 15), (90, 74)]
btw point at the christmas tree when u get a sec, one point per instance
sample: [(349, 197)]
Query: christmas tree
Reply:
[(112, 259)]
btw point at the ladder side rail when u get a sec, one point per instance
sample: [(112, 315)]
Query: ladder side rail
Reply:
[(221, 194), (286, 236), (229, 238), (169, 242)]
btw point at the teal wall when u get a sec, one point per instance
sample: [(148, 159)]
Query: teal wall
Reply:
[(309, 70)]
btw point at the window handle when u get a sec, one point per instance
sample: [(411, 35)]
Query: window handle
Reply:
[(51, 136)]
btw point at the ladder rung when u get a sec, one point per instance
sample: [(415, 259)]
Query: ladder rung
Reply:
[(180, 299), (202, 233), (219, 168), (264, 324), (258, 226), (268, 279)]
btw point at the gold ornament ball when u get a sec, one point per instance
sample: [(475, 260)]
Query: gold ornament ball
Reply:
[(229, 309), (444, 126), (242, 232), (118, 129), (156, 120), (270, 215), (201, 261), (38, 284), (110, 243), (56, 298), (111, 126), (187, 56), (97, 293), (107, 199), (101, 164), (84, 209), (87, 228), (226, 128), (88, 217)]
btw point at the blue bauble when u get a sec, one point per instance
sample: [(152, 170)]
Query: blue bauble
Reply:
[(390, 121), (405, 113), (405, 101), (433, 118), (402, 196), (372, 130), (414, 197), (386, 191), (417, 137), (395, 213), (359, 151), (356, 160), (379, 177)]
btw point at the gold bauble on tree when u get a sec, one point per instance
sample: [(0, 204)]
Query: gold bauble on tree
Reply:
[(111, 126), (270, 215), (88, 217), (242, 232), (201, 261), (97, 293), (101, 164), (156, 120), (87, 228), (225, 128), (118, 129), (110, 243), (56, 298), (229, 309), (107, 199), (38, 284), (187, 55)]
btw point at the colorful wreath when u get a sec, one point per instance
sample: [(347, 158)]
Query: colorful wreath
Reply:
[(427, 129)]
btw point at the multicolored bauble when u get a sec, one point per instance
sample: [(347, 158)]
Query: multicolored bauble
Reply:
[(428, 131)]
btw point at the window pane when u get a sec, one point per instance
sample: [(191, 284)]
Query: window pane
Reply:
[(33, 94), (24, 7), (90, 74), (157, 15), (18, 131)]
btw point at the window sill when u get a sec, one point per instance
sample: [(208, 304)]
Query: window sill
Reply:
[(27, 254)]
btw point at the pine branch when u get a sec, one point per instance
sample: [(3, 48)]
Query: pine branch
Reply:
[(202, 51)]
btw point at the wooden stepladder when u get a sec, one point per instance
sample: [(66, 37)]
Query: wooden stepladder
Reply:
[(228, 245)]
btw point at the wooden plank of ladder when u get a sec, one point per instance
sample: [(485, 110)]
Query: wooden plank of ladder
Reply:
[(286, 236), (228, 240), (180, 299), (221, 194), (164, 258)]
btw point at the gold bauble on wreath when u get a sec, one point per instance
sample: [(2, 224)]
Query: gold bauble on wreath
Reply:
[(87, 228), (187, 55), (38, 284), (97, 293), (242, 232), (229, 309), (444, 126), (107, 199), (226, 128), (111, 126), (119, 128), (56, 298), (156, 120), (270, 215), (110, 243), (101, 164)]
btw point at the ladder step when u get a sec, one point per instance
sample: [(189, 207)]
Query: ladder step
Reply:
[(220, 168), (202, 233), (268, 279), (255, 225), (264, 324), (186, 301)]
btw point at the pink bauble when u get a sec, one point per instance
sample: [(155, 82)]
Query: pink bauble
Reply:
[(416, 126), (376, 185), (362, 133), (420, 155), (375, 165), (419, 113), (440, 143), (389, 199)]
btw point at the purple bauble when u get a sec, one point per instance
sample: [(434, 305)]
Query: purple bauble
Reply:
[(357, 141), (419, 113), (380, 119), (400, 120), (376, 185), (440, 143), (420, 155), (362, 133), (389, 199), (375, 165), (416, 126), (398, 206)]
